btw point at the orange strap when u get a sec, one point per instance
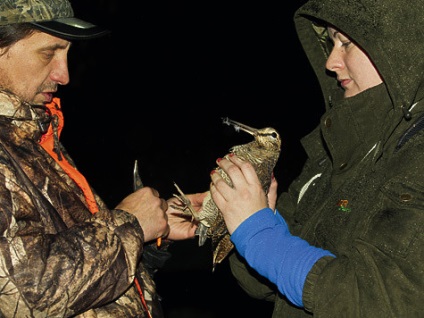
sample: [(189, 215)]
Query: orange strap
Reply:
[(47, 142)]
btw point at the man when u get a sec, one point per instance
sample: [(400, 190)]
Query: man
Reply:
[(63, 252)]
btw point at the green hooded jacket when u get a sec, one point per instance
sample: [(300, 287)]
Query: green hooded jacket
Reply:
[(360, 194)]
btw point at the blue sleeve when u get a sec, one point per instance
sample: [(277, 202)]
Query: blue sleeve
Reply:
[(265, 242)]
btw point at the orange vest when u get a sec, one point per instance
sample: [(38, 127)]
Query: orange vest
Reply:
[(47, 142)]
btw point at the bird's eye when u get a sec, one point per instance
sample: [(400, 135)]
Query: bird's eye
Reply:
[(274, 135)]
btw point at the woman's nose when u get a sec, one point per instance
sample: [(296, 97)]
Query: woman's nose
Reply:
[(334, 61)]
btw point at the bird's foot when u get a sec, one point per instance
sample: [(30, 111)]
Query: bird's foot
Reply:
[(185, 206)]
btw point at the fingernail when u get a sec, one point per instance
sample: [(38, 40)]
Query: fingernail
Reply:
[(213, 171), (218, 160), (231, 154)]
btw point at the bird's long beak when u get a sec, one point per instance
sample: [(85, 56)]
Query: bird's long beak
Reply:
[(238, 126)]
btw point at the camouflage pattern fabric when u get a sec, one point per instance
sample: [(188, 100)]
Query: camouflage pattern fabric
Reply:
[(20, 11), (57, 259)]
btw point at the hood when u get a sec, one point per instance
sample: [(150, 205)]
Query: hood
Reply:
[(389, 31)]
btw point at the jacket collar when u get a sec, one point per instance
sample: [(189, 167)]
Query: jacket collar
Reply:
[(31, 120), (354, 127)]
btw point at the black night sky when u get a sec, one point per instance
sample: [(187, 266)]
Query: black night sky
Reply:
[(156, 89)]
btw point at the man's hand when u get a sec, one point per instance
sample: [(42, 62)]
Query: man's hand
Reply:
[(181, 225), (150, 210)]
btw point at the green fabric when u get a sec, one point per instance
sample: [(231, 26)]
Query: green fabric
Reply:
[(377, 234), (390, 31)]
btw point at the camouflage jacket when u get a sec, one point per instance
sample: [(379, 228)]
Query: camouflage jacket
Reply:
[(57, 259)]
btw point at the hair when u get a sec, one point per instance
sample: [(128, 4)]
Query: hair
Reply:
[(12, 33)]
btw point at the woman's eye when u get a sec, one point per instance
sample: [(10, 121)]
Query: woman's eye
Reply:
[(346, 43)]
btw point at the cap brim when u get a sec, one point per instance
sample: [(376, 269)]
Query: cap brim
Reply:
[(71, 29)]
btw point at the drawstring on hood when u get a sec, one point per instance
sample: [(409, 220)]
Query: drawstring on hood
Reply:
[(406, 113), (43, 117), (56, 145)]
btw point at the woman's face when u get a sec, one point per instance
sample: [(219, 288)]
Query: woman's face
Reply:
[(353, 68)]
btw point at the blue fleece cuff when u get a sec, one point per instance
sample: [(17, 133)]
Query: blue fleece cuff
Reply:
[(265, 242)]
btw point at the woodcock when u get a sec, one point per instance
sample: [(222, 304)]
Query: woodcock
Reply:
[(263, 153)]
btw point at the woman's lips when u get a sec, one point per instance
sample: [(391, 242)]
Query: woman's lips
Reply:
[(345, 82)]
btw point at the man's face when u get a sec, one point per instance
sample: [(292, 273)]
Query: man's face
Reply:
[(33, 67)]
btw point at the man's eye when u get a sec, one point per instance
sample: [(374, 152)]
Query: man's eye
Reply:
[(48, 55), (346, 44)]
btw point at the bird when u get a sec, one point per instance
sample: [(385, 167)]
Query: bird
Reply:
[(263, 153)]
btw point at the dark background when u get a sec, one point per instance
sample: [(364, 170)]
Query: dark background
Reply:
[(156, 89)]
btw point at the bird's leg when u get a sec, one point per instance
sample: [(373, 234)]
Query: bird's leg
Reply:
[(186, 206)]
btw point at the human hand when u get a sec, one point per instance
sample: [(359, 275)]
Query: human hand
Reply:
[(150, 210), (272, 193), (182, 226), (245, 198)]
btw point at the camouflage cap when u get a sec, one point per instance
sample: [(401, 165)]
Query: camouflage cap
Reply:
[(55, 17)]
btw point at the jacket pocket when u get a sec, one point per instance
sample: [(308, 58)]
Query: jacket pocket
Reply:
[(394, 228)]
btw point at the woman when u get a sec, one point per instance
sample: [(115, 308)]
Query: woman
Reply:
[(346, 238)]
